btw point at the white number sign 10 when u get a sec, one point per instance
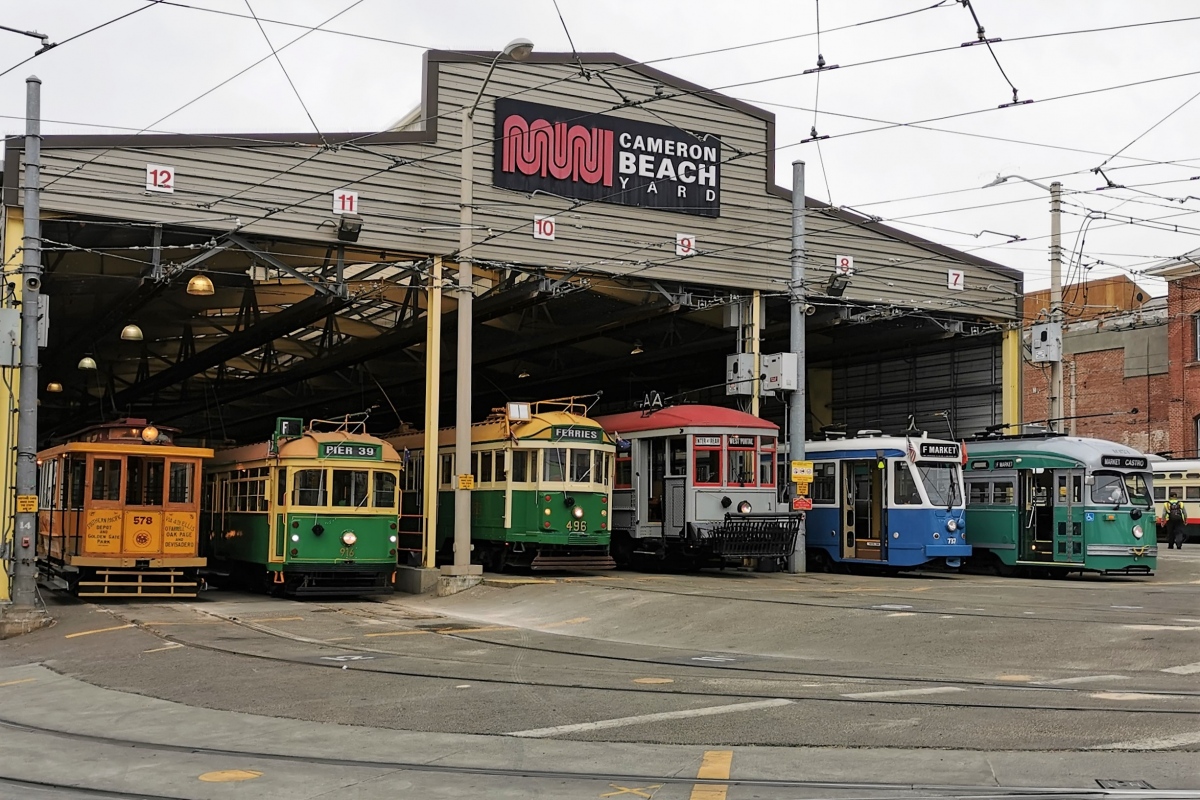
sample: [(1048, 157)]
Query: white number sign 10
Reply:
[(685, 244), (543, 227), (955, 279), (345, 202), (160, 178)]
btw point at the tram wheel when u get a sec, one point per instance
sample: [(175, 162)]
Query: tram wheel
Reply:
[(819, 560)]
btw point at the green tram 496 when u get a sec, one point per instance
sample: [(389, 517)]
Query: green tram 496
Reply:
[(309, 512), (1047, 504), (543, 488)]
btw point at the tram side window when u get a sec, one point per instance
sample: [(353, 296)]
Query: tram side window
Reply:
[(824, 484), (520, 467), (1160, 493), (310, 487), (446, 473), (708, 467), (501, 470), (144, 484), (350, 487), (106, 479), (602, 467), (741, 467), (766, 467), (581, 466), (554, 464), (485, 466), (905, 485), (677, 456), (980, 493), (48, 483), (475, 465), (1002, 493), (624, 476), (77, 476), (385, 490), (181, 482), (281, 487), (1191, 493)]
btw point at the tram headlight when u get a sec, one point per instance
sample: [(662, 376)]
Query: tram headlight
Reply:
[(349, 538), (577, 512), (295, 537), (1137, 531), (744, 507), (952, 525), (392, 539), (546, 512)]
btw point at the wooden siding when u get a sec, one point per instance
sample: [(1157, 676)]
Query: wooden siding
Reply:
[(410, 193)]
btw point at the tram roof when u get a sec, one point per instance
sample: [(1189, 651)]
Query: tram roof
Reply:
[(1180, 465), (697, 416), (892, 444), (1080, 449), (540, 427), (306, 445)]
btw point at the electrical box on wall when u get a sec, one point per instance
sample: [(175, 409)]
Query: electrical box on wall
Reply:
[(10, 337), (735, 315), (739, 374), (781, 371), (1046, 341)]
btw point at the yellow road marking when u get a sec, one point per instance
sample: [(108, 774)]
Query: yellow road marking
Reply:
[(98, 630), (714, 766), (196, 622), (572, 621), (395, 633), (341, 639), (653, 680), (277, 619), (1015, 678), (230, 775), (641, 791), (14, 683), (474, 630), (160, 649), (922, 589)]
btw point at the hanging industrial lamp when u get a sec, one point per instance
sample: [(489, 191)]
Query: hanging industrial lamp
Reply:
[(87, 362), (637, 348), (131, 333), (54, 387), (200, 285)]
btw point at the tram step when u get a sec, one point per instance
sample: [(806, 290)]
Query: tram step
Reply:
[(573, 562), (135, 583)]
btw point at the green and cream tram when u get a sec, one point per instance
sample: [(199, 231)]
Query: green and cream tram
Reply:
[(1049, 505)]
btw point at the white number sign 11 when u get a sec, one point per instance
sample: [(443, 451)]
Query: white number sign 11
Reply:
[(955, 279), (345, 202), (685, 244), (160, 178)]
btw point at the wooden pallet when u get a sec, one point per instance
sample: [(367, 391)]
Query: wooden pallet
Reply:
[(139, 583)]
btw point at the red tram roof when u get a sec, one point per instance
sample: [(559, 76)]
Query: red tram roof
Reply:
[(683, 417)]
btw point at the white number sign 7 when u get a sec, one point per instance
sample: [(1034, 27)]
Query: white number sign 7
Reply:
[(955, 279)]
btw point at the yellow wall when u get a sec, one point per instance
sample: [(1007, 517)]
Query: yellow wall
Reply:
[(1010, 396), (13, 229)]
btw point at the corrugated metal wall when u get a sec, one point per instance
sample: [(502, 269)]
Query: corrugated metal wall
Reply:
[(881, 395)]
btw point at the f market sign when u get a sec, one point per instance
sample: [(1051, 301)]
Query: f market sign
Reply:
[(592, 157)]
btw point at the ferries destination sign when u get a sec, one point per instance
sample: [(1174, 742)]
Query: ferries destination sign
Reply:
[(593, 157)]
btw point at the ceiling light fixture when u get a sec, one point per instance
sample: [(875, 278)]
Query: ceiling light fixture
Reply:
[(131, 333), (637, 348), (200, 285)]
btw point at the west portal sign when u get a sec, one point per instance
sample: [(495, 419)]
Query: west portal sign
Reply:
[(592, 157)]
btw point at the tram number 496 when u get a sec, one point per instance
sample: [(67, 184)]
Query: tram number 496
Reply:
[(577, 525)]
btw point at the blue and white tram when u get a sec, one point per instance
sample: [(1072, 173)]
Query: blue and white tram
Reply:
[(889, 501)]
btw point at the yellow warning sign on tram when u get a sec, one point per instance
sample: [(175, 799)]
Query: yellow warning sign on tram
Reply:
[(466, 481), (27, 503)]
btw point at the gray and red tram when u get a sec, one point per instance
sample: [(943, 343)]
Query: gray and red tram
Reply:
[(695, 485)]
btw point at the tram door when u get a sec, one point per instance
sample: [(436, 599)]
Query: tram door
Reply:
[(651, 473), (1068, 527), (1036, 503), (862, 510)]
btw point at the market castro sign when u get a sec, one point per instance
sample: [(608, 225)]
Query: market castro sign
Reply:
[(587, 156)]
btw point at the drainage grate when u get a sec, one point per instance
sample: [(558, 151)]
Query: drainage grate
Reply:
[(1115, 784)]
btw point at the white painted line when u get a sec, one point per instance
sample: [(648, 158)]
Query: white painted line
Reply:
[(902, 614), (1127, 608), (1083, 679), (904, 692), (1158, 743), (541, 733), (1186, 669), (891, 607), (1162, 627)]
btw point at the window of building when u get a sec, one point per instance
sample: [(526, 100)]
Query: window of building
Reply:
[(904, 485), (182, 480), (520, 467), (554, 464), (385, 490), (106, 479), (1196, 337), (310, 487), (824, 484), (350, 488)]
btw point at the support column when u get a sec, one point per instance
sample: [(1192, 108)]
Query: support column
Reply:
[(13, 228), (1056, 309), (755, 342), (797, 424), (433, 387), (1011, 395)]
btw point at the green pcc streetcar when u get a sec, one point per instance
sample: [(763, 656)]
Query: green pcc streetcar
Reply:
[(1048, 505), (543, 488), (313, 511)]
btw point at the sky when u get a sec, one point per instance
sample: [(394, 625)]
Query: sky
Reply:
[(913, 116)]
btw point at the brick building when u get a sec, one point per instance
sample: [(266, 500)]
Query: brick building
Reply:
[(1183, 312)]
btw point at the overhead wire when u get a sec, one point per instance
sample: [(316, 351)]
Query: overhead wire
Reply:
[(983, 39), (283, 69)]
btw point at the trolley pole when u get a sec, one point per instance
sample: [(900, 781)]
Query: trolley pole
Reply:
[(24, 594), (798, 401), (1056, 310)]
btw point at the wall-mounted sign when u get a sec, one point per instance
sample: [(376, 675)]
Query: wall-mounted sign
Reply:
[(345, 202), (685, 244), (543, 227), (937, 450), (801, 504), (584, 156), (368, 452), (802, 471), (160, 178), (574, 433), (1124, 462), (843, 265), (955, 279)]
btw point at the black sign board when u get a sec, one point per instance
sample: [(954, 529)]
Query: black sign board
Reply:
[(938, 450), (1004, 463), (574, 433), (741, 441), (1124, 462), (586, 156)]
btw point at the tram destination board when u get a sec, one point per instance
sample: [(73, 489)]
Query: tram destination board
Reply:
[(351, 450), (939, 450), (574, 433), (1124, 462)]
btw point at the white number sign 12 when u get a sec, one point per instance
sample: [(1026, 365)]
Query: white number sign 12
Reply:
[(685, 244), (955, 279), (160, 178), (345, 202), (543, 227), (843, 265)]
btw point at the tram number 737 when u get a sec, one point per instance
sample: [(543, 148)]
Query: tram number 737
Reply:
[(577, 525)]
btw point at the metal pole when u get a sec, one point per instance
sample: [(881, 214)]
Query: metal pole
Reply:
[(798, 402), (433, 391), (462, 417), (1056, 311), (755, 343), (24, 594)]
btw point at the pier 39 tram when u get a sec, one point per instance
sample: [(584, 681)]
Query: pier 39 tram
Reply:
[(118, 512), (890, 501), (543, 482), (1047, 504), (312, 511), (695, 484)]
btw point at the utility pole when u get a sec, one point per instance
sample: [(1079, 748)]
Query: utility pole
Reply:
[(798, 401), (1056, 310), (24, 594)]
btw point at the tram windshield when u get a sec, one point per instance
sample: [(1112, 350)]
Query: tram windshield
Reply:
[(941, 481), (1115, 488)]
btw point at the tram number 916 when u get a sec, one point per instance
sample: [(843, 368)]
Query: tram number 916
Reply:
[(347, 552), (577, 525)]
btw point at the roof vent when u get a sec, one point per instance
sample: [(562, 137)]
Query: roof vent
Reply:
[(869, 433)]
